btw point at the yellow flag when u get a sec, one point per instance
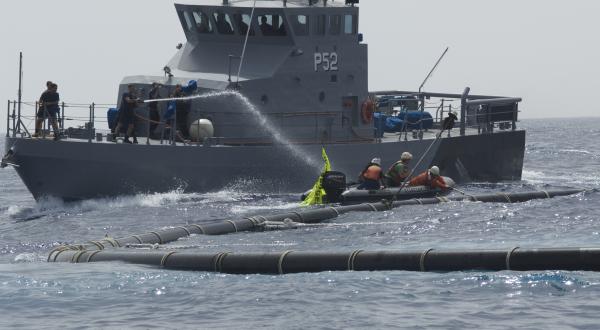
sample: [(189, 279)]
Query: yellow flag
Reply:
[(317, 192)]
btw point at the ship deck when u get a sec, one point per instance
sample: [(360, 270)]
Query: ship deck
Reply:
[(217, 142)]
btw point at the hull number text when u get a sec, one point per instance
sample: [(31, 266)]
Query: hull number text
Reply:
[(326, 61)]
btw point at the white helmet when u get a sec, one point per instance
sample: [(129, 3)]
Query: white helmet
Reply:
[(434, 170), (406, 156), (455, 113), (376, 161)]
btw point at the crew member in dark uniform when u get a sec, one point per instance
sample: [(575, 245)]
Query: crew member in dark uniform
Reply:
[(449, 122), (129, 102), (182, 109), (48, 109)]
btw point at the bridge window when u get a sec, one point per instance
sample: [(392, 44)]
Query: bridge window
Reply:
[(335, 24), (350, 24), (188, 20), (242, 22), (223, 22), (203, 24), (300, 24), (320, 24), (271, 25)]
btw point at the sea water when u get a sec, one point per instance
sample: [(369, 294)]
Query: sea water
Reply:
[(35, 294)]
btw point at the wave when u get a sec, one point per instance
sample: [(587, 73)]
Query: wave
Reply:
[(53, 207)]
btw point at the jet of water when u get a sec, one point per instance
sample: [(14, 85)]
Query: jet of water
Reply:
[(294, 149)]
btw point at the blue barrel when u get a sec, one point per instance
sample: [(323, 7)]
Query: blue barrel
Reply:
[(112, 116)]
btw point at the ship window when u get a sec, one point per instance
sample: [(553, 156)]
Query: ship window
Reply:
[(320, 25), (188, 20), (242, 21), (300, 24), (335, 24), (223, 22), (349, 24), (203, 24), (271, 25)]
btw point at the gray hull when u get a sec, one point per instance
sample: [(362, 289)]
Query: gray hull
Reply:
[(79, 170)]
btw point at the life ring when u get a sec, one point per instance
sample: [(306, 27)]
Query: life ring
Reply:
[(367, 109)]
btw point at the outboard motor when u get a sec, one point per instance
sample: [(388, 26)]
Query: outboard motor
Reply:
[(334, 184)]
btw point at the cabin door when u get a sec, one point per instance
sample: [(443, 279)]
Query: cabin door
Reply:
[(351, 114)]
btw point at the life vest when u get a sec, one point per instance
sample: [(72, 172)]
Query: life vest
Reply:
[(398, 176), (366, 111), (372, 172), (424, 179)]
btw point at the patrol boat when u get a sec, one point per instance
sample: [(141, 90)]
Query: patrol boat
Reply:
[(277, 81)]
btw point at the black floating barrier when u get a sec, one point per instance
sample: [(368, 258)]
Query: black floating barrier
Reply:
[(518, 259), (308, 217)]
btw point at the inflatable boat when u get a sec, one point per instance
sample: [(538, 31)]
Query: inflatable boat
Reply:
[(337, 191)]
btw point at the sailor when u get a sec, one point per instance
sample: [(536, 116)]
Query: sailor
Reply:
[(265, 27), (182, 109), (399, 171), (430, 178), (449, 122), (222, 25), (370, 177), (48, 109), (242, 26), (40, 115), (129, 102)]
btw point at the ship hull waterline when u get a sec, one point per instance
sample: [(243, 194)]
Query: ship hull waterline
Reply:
[(79, 170)]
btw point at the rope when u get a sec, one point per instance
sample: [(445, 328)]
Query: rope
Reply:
[(112, 241), (245, 43), (299, 215), (186, 230), (352, 258), (59, 250), (233, 224), (337, 213), (99, 245), (407, 179), (76, 256), (160, 240), (280, 261), (199, 228), (219, 261), (89, 258), (163, 261), (422, 259), (508, 255)]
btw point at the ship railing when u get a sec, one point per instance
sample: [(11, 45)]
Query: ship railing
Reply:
[(19, 123), (483, 112), (84, 124)]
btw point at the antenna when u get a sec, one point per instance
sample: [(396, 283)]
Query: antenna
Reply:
[(433, 69), (20, 87)]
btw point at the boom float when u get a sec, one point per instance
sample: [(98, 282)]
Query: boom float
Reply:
[(519, 259), (105, 249)]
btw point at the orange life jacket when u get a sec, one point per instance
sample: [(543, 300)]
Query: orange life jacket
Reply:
[(424, 179)]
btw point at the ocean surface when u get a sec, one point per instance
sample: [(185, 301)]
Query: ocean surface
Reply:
[(35, 294)]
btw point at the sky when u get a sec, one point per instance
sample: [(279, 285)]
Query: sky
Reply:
[(545, 51)]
